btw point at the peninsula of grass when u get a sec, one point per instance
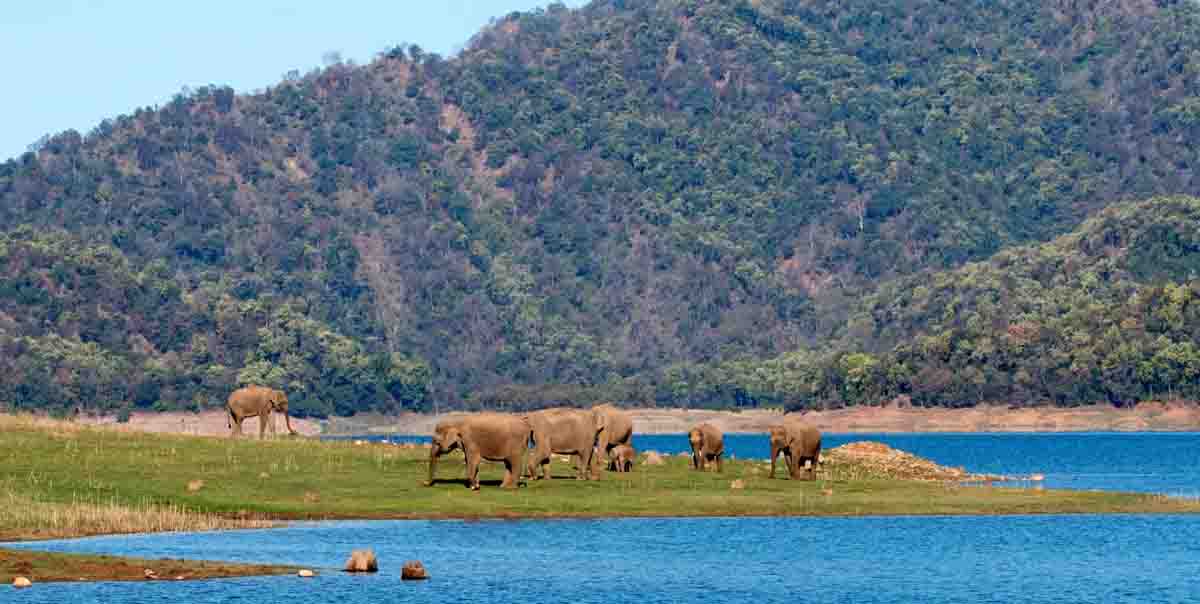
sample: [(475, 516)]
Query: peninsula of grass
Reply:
[(47, 469)]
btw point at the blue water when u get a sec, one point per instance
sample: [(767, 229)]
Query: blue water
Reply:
[(1018, 559), (1150, 462)]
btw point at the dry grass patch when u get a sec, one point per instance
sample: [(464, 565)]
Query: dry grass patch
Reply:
[(24, 518)]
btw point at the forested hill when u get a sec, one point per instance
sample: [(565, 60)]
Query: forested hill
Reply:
[(623, 201)]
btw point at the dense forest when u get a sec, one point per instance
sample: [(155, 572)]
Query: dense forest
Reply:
[(672, 202)]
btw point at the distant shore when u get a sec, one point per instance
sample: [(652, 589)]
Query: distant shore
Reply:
[(1152, 416), (1176, 416)]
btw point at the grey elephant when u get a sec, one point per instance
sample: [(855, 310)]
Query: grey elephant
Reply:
[(621, 458), (567, 432), (259, 401), (800, 443), (484, 436), (618, 430), (707, 444)]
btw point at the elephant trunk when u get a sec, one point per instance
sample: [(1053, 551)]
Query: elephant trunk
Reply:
[(433, 459)]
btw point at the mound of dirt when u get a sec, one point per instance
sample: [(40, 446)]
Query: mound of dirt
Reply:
[(876, 460)]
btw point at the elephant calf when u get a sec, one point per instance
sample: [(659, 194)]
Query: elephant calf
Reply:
[(484, 436), (800, 444), (707, 443), (257, 401), (567, 432), (621, 458)]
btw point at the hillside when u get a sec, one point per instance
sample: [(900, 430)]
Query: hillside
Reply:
[(1107, 313), (622, 199)]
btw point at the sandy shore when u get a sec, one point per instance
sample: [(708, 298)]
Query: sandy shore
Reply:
[(1154, 416), (1175, 416), (206, 423)]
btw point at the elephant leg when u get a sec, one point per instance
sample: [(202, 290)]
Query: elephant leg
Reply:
[(262, 426), (473, 471), (720, 463), (581, 471), (237, 426), (510, 467)]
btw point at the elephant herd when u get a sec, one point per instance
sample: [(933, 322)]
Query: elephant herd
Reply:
[(604, 431), (589, 435)]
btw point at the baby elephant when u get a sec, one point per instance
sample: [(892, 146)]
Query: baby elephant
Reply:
[(707, 444), (620, 458)]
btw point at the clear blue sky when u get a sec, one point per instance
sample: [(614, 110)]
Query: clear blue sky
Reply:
[(71, 63)]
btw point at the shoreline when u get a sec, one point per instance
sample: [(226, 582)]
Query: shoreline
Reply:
[(1174, 416), (1154, 416)]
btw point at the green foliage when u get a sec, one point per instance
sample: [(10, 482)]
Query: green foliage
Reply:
[(1109, 312), (105, 337), (638, 198)]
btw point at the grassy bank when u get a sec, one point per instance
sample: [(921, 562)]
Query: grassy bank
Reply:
[(233, 480)]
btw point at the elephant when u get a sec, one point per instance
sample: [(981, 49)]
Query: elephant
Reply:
[(618, 430), (484, 436), (621, 458), (800, 444), (258, 401), (707, 443), (568, 431)]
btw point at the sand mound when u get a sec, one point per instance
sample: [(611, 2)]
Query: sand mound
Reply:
[(877, 460)]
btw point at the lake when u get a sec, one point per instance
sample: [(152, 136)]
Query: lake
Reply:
[(1150, 462), (976, 560)]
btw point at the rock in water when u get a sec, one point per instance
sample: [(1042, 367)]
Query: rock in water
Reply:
[(21, 582), (413, 570), (149, 574), (362, 561), (653, 459), (305, 573)]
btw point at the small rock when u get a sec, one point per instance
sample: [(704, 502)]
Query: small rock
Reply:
[(413, 570), (263, 475), (827, 492), (1037, 477), (307, 574), (653, 459), (195, 485), (360, 442), (311, 497), (362, 561), (179, 578), (21, 582), (737, 484), (149, 574)]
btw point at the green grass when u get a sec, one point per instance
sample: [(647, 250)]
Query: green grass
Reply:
[(294, 479)]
